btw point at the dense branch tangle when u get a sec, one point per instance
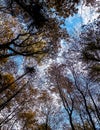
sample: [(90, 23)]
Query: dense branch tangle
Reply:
[(91, 49), (76, 98), (33, 9), (24, 45)]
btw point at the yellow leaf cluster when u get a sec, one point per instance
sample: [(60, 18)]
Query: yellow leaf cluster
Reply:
[(27, 115), (3, 61), (8, 25), (29, 118), (8, 79)]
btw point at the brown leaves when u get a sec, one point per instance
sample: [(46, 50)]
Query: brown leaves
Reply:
[(57, 77), (8, 79), (7, 28), (28, 115), (91, 49), (28, 119), (63, 8), (90, 2)]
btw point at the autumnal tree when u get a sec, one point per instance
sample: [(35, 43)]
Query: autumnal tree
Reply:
[(91, 49), (64, 88), (28, 107), (31, 30), (26, 43), (76, 97)]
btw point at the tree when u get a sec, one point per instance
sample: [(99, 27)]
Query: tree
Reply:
[(91, 49), (76, 97), (40, 37), (30, 31), (64, 87)]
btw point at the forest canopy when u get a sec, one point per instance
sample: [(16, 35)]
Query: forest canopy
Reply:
[(49, 79)]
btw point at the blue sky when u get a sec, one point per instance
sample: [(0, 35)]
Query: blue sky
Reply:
[(73, 24), (85, 15)]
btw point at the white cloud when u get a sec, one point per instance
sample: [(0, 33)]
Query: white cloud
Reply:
[(88, 13)]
